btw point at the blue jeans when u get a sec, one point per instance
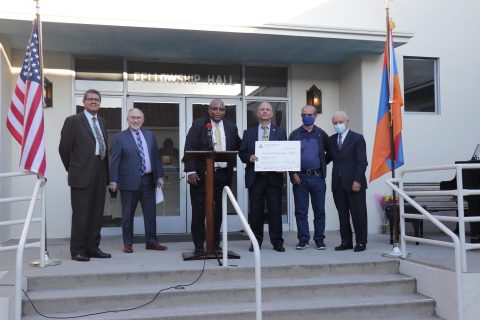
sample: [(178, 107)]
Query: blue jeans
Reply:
[(314, 186)]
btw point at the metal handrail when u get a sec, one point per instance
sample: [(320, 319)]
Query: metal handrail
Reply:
[(253, 239), (458, 241), (23, 238)]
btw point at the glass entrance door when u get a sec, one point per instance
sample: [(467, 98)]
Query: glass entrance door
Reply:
[(197, 108), (170, 119), (166, 118)]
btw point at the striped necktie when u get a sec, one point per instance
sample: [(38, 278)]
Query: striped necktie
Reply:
[(140, 150), (339, 141), (98, 135)]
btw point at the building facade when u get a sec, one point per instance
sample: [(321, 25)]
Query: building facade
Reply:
[(171, 60)]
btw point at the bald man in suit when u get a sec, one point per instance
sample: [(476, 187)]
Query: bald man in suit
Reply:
[(200, 138), (136, 170), (263, 185)]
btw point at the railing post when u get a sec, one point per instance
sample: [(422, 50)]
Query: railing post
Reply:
[(403, 243), (256, 247), (20, 249), (224, 228), (461, 216)]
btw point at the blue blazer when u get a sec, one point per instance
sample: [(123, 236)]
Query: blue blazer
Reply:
[(247, 149), (126, 162), (350, 162)]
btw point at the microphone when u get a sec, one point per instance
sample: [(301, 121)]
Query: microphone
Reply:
[(208, 126)]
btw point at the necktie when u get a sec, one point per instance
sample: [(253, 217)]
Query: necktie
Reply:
[(265, 133), (98, 135), (140, 150), (339, 141), (218, 138)]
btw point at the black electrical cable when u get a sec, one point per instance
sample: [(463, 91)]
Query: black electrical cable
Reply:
[(178, 287)]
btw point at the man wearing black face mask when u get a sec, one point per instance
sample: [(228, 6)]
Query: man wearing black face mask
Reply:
[(310, 181)]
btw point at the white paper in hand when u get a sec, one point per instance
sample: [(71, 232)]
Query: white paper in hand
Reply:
[(158, 195)]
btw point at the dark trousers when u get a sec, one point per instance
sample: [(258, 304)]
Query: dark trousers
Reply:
[(146, 195), (354, 204), (87, 212), (197, 195), (262, 189)]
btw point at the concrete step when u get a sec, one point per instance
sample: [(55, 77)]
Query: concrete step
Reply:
[(166, 278), (336, 291), (398, 306), (69, 300)]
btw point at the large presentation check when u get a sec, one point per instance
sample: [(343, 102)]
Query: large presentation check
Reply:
[(277, 155)]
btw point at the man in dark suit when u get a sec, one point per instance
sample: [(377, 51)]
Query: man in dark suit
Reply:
[(83, 150), (349, 156), (263, 185), (208, 133), (136, 170)]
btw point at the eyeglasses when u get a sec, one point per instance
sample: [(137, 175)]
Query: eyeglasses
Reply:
[(92, 99), (311, 115)]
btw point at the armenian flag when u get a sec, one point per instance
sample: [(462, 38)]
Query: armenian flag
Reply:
[(389, 115)]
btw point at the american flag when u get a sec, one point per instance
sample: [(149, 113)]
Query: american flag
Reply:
[(25, 116)]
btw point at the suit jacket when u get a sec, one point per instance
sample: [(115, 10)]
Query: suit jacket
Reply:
[(126, 162), (77, 149), (247, 149), (350, 162), (198, 140)]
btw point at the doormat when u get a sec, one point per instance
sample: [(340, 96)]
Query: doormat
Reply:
[(165, 238)]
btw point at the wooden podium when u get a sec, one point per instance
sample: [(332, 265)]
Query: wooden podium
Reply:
[(209, 157)]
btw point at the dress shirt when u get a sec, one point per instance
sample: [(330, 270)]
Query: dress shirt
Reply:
[(344, 135), (90, 122), (148, 163), (222, 135), (260, 131)]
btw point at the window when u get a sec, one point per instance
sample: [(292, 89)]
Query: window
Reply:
[(103, 74), (420, 84), (266, 81)]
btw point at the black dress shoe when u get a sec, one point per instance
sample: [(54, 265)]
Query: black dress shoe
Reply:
[(199, 250), (360, 247), (80, 257), (99, 254), (344, 247), (251, 248), (279, 248)]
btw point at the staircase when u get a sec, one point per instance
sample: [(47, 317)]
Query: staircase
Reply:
[(371, 290)]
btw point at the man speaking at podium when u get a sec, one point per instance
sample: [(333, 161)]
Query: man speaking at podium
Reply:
[(211, 132)]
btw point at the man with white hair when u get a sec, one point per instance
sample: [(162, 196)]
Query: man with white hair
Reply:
[(349, 156)]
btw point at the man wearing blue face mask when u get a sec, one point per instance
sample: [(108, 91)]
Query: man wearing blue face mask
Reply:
[(349, 156), (310, 181)]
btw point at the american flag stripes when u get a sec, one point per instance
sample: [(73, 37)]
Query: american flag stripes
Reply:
[(25, 116)]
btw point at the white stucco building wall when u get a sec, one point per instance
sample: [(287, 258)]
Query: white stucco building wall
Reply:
[(354, 86)]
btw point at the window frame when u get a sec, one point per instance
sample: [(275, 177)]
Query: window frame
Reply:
[(436, 85)]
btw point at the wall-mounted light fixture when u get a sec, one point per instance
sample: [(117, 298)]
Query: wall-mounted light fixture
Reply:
[(314, 98), (48, 93)]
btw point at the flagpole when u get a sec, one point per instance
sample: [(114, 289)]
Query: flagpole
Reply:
[(395, 253), (392, 141), (45, 259)]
